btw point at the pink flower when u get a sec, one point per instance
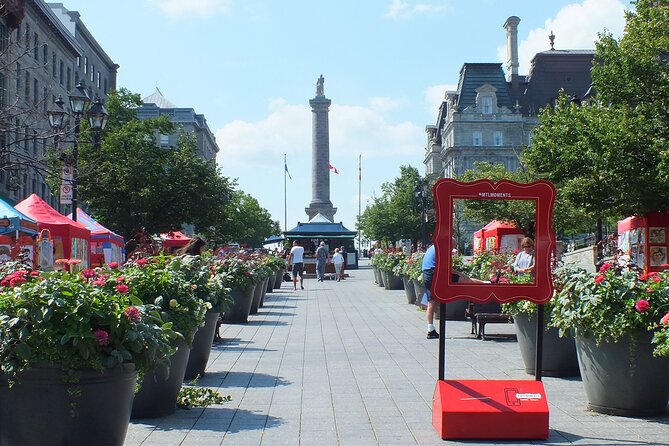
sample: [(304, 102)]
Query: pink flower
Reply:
[(605, 267), (122, 288), (88, 273), (132, 313), (142, 262), (16, 281), (34, 273), (112, 265), (647, 276), (665, 319), (73, 261), (61, 261), (599, 278), (503, 279), (120, 279), (102, 337), (657, 279), (642, 306)]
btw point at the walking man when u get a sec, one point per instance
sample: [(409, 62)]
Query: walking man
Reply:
[(321, 259), (296, 258)]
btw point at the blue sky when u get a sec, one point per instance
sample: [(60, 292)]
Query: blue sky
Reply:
[(250, 66)]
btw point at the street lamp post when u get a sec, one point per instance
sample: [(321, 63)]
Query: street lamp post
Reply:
[(97, 119)]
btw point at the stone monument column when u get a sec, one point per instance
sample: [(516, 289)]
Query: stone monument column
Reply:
[(320, 155)]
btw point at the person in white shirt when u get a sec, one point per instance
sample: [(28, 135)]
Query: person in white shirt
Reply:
[(524, 263), (296, 259), (338, 260)]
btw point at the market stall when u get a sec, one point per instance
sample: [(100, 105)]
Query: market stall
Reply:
[(498, 236), (106, 245), (17, 234), (71, 239), (644, 239), (173, 240)]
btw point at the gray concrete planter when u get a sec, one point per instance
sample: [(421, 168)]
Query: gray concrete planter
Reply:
[(419, 289), (377, 273), (199, 353), (279, 278), (559, 357), (409, 290), (624, 378), (391, 281), (44, 408), (242, 298), (257, 296), (381, 280)]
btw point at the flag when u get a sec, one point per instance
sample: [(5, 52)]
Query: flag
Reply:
[(285, 166), (334, 169)]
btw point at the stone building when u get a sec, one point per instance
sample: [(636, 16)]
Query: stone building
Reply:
[(44, 51), (188, 122), (490, 116)]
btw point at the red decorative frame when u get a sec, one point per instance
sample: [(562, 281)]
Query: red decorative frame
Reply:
[(447, 190)]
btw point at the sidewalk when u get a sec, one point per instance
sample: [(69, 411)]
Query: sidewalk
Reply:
[(347, 363)]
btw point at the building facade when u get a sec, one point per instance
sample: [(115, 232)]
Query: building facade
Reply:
[(490, 117), (187, 121), (43, 49)]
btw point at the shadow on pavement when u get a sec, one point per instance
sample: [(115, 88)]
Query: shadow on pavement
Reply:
[(247, 379)]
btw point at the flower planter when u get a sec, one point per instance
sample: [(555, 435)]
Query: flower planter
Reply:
[(199, 353), (42, 408), (270, 284), (419, 289), (624, 378), (257, 294), (242, 298), (279, 278), (264, 291), (391, 281), (409, 290), (157, 396), (559, 357)]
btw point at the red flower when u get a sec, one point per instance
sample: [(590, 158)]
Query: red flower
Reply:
[(102, 337), (132, 313), (123, 289), (642, 306), (599, 278), (142, 262), (503, 279), (112, 265), (120, 279), (647, 276), (34, 273), (88, 273), (665, 319), (657, 279), (605, 267), (16, 281)]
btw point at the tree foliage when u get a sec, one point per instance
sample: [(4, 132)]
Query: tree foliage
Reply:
[(397, 213), (246, 222), (609, 158), (131, 183)]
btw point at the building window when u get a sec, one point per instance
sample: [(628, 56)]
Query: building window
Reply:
[(164, 140), (27, 36), (18, 79), (34, 142), (105, 85), (69, 79), (477, 139), (35, 91), (85, 65), (487, 105), (36, 47), (98, 77), (54, 64), (92, 73), (3, 37), (61, 72), (45, 54), (46, 103), (498, 138), (79, 61), (2, 91)]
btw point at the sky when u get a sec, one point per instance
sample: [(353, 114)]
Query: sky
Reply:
[(250, 66)]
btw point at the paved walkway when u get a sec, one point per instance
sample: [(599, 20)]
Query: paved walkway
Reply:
[(348, 364)]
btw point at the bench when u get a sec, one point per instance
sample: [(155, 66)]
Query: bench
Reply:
[(482, 314)]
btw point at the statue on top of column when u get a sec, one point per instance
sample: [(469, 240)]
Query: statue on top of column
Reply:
[(320, 90)]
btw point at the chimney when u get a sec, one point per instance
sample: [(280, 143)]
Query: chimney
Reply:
[(511, 26)]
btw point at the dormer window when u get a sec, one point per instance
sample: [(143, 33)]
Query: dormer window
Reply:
[(486, 99), (487, 105)]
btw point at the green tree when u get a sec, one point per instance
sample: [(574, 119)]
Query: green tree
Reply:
[(397, 213), (246, 222), (131, 183)]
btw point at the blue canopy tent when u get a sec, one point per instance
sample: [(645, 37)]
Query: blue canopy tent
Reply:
[(13, 221)]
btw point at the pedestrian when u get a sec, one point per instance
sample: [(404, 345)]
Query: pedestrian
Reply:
[(322, 255), (338, 261), (524, 263), (296, 259), (342, 251)]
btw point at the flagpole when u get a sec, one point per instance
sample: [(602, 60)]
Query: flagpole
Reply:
[(285, 195), (359, 200)]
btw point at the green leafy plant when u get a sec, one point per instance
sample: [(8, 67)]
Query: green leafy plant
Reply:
[(207, 285), (238, 269), (191, 396), (75, 321), (614, 302)]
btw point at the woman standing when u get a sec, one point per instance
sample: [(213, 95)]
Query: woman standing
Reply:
[(338, 260)]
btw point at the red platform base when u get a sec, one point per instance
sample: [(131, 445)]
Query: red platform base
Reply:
[(484, 409)]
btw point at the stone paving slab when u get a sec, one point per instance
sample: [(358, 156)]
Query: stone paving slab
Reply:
[(347, 363)]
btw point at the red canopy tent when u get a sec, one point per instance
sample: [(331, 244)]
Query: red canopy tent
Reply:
[(645, 239), (174, 240), (71, 239), (498, 236)]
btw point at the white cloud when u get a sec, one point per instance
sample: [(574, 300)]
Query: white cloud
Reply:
[(287, 129), (575, 27), (405, 9), (434, 96), (177, 8)]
